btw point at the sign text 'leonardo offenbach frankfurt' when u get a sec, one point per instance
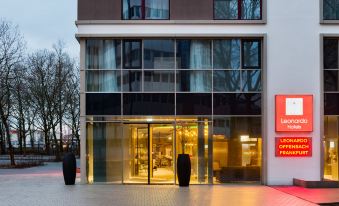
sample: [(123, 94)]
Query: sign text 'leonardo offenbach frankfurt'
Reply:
[(293, 147), (294, 113)]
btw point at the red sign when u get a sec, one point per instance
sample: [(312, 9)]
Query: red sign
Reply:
[(294, 113), (293, 147)]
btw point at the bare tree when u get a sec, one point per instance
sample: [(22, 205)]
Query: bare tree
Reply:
[(11, 53)]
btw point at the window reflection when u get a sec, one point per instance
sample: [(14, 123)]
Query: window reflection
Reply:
[(226, 81), (103, 104), (104, 161), (103, 54), (131, 81), (159, 54), (132, 54), (194, 81), (237, 9), (194, 54), (251, 54), (237, 147), (102, 81), (331, 9), (226, 54), (150, 9), (159, 81), (251, 81)]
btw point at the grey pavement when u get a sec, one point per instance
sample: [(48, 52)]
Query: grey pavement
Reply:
[(44, 186)]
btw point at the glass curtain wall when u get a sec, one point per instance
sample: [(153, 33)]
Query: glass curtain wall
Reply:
[(238, 9), (331, 109), (331, 9), (145, 9), (207, 90)]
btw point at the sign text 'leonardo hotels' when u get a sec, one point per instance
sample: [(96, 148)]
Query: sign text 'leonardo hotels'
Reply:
[(294, 113), (293, 147)]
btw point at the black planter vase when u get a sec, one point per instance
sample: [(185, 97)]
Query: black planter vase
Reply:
[(184, 170), (69, 168)]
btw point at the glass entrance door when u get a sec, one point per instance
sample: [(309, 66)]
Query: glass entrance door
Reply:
[(162, 158), (148, 153)]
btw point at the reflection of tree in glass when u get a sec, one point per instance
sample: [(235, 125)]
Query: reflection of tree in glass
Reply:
[(331, 9)]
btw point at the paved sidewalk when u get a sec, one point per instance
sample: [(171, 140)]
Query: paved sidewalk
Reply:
[(44, 186)]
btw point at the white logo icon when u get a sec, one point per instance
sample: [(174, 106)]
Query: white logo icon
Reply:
[(294, 106)]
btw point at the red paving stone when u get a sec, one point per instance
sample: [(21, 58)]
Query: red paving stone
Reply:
[(315, 195)]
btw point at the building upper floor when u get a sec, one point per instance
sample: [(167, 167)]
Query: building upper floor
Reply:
[(238, 11)]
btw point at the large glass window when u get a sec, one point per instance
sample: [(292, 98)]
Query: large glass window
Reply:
[(103, 54), (251, 53), (103, 81), (331, 109), (158, 54), (194, 104), (237, 9), (155, 81), (237, 104), (145, 9), (237, 146), (226, 54), (132, 54), (226, 81), (131, 81), (194, 81), (194, 54), (104, 154), (331, 9)]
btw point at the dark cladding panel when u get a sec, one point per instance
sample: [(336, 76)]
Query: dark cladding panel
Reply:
[(148, 104), (194, 104), (103, 104), (99, 10), (191, 9), (331, 106), (237, 104)]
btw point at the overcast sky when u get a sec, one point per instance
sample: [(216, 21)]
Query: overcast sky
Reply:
[(43, 22)]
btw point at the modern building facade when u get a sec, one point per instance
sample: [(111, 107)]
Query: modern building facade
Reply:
[(201, 77)]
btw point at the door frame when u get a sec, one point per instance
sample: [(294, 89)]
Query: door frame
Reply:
[(150, 152)]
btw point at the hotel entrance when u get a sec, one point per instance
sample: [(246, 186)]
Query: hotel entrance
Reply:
[(149, 149)]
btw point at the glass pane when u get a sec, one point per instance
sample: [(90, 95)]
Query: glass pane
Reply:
[(194, 54), (159, 81), (251, 80), (132, 9), (331, 148), (331, 80), (237, 149), (103, 81), (251, 9), (251, 54), (148, 104), (103, 104), (135, 153), (331, 9), (104, 159), (330, 53), (103, 54), (132, 54), (194, 138), (194, 81), (226, 81), (131, 81), (157, 9), (226, 54), (331, 103), (159, 54), (237, 104), (226, 9), (162, 164), (194, 104)]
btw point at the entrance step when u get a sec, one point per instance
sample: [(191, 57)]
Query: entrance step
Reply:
[(315, 184)]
